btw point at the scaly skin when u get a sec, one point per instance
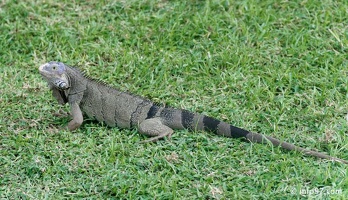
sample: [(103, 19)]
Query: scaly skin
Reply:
[(116, 108)]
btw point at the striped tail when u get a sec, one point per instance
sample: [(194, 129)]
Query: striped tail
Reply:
[(179, 119)]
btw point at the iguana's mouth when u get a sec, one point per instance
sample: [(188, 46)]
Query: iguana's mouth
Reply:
[(44, 73), (41, 68)]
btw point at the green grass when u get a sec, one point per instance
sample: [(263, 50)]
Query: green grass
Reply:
[(274, 67)]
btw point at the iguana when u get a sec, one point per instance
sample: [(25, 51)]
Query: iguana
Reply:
[(115, 108)]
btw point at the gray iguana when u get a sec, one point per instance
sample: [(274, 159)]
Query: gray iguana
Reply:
[(124, 110)]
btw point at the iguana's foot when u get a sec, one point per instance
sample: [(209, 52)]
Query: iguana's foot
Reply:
[(73, 125), (154, 139), (154, 127)]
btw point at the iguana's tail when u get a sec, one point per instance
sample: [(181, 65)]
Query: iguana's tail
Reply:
[(259, 138), (195, 121)]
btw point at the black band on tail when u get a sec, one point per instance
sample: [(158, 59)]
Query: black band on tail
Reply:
[(152, 112), (187, 119), (238, 132), (210, 124)]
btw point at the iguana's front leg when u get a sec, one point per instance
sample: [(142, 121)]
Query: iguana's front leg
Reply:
[(154, 128), (77, 117)]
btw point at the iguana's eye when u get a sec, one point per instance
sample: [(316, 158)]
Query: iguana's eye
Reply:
[(54, 67)]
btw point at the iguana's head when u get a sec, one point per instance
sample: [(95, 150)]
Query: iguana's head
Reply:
[(55, 74)]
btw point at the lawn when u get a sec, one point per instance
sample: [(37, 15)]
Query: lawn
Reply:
[(273, 67)]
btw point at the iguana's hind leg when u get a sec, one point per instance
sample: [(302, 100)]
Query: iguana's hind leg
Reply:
[(155, 129)]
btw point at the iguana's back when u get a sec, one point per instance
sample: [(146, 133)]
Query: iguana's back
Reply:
[(115, 108)]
